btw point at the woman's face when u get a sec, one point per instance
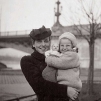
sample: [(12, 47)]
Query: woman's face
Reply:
[(42, 45)]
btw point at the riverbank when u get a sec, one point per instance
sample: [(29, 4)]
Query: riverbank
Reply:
[(13, 84)]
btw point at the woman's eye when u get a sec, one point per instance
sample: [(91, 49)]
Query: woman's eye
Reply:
[(46, 40), (38, 41)]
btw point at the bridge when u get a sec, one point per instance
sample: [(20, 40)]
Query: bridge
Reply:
[(15, 36), (16, 39)]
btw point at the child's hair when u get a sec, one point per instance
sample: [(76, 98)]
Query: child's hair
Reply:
[(75, 49), (69, 36)]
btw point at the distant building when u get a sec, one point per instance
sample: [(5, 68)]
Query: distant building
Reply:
[(58, 29)]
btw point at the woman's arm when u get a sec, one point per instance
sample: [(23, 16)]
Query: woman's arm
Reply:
[(39, 85)]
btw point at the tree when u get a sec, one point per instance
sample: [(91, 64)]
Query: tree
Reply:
[(92, 16)]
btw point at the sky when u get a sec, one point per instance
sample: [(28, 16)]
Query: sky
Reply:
[(17, 15), (26, 14)]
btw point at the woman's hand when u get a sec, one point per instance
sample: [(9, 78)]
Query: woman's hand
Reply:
[(72, 93)]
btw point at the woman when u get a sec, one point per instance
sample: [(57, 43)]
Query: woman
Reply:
[(33, 65)]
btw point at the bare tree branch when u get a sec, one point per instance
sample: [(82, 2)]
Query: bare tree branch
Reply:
[(80, 32), (85, 11)]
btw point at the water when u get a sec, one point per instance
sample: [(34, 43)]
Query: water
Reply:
[(12, 64), (11, 57)]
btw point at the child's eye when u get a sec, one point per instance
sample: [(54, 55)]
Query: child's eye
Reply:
[(67, 45)]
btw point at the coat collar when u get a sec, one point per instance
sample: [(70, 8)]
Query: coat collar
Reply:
[(38, 55)]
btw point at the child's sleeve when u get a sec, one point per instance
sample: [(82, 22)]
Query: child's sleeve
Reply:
[(63, 62), (49, 74)]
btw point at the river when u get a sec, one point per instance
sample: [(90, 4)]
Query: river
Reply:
[(11, 57)]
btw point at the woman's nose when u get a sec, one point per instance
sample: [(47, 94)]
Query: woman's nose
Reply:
[(43, 43)]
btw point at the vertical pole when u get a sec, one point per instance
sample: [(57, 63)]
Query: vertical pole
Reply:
[(0, 19)]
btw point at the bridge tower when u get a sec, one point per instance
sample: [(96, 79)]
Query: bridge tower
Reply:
[(57, 13), (57, 27)]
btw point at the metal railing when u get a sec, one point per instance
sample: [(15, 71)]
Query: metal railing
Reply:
[(23, 97), (10, 33)]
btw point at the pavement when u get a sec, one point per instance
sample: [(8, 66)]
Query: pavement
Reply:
[(14, 85)]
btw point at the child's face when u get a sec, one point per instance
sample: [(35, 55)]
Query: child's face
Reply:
[(65, 45), (55, 47)]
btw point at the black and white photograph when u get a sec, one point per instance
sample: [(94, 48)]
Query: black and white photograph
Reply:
[(50, 50)]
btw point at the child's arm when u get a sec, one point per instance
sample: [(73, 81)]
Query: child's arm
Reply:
[(70, 60), (49, 73)]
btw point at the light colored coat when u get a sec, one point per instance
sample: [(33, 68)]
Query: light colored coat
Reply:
[(68, 66)]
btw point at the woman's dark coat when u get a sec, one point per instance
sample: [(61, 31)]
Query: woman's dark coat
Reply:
[(32, 67)]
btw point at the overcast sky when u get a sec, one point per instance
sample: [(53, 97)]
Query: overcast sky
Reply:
[(28, 14)]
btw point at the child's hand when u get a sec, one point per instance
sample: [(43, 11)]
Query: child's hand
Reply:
[(47, 53)]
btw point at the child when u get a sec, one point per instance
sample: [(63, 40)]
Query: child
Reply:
[(64, 67)]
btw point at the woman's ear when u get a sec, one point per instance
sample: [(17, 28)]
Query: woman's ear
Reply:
[(33, 45)]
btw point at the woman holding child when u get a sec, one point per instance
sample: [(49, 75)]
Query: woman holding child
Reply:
[(33, 65)]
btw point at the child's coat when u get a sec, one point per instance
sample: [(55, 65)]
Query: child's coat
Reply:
[(63, 69)]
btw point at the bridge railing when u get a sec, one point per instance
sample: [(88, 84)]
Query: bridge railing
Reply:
[(10, 33), (24, 97)]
